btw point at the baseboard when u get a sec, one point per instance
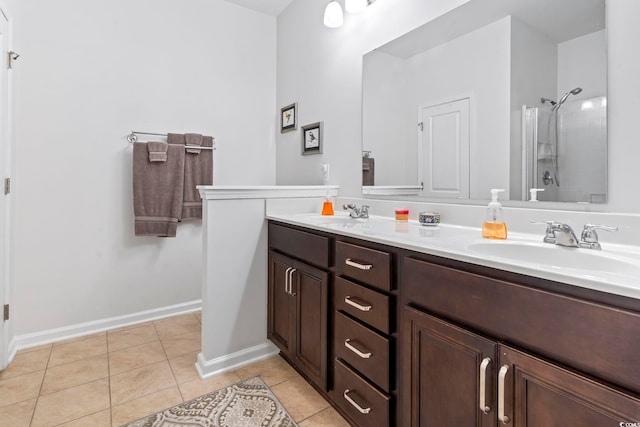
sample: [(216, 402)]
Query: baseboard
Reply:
[(207, 368), (35, 339)]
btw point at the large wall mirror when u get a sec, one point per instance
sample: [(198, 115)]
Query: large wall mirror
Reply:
[(494, 94)]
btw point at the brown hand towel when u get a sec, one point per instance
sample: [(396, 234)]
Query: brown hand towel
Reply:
[(157, 151), (158, 191), (194, 140), (198, 170)]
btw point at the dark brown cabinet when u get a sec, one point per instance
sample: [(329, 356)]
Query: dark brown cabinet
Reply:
[(537, 393), (297, 319), (450, 373), (474, 375)]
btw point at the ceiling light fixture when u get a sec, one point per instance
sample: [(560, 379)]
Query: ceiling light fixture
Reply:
[(333, 17)]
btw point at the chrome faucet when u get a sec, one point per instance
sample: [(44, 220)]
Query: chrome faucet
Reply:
[(356, 212), (589, 237), (563, 235)]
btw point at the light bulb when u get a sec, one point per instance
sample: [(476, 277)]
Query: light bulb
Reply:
[(333, 15), (355, 6)]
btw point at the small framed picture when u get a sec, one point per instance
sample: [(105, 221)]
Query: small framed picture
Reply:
[(289, 118), (312, 138)]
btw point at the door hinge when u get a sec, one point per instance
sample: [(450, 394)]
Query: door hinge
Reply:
[(421, 126), (6, 312), (7, 185), (11, 56)]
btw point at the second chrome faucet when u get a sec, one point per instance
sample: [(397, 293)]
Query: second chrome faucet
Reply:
[(562, 234)]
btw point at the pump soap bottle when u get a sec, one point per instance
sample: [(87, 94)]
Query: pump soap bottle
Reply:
[(327, 205), (494, 226)]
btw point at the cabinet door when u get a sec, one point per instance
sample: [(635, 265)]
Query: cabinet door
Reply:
[(447, 374), (281, 304), (540, 394), (310, 288)]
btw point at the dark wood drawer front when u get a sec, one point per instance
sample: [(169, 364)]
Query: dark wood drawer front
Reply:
[(594, 338), (306, 246), (367, 265), (362, 402), (369, 306), (365, 350)]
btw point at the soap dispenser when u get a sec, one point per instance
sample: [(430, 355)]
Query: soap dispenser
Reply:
[(494, 226), (327, 205)]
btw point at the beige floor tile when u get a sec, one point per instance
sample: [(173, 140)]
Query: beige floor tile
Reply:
[(37, 348), (178, 345), (194, 388), (141, 382), (198, 315), (136, 357), (27, 362), (99, 419), (329, 417), (273, 371), (77, 349), (131, 336), (72, 403), (177, 325), (300, 399), (147, 405), (184, 368), (18, 414), (75, 373), (23, 387)]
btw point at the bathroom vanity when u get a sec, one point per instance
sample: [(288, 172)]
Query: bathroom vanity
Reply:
[(394, 332)]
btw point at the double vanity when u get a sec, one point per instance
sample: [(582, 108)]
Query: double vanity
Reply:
[(401, 324)]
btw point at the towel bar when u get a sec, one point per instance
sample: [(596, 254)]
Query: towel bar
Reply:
[(133, 137)]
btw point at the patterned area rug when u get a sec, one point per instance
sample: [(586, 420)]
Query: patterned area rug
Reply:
[(249, 403)]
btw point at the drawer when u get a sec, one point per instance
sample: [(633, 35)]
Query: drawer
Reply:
[(362, 303), (591, 337), (366, 265), (365, 350), (309, 247), (362, 402)]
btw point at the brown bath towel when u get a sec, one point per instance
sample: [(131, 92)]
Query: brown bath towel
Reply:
[(157, 191), (157, 151), (198, 170)]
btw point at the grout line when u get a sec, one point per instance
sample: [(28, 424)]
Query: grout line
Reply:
[(109, 379), (44, 375)]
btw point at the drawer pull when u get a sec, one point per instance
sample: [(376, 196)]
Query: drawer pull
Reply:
[(501, 379), (357, 265), (355, 350), (354, 404), (483, 385), (286, 280), (352, 303)]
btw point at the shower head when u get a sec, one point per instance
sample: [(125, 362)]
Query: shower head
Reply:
[(566, 95)]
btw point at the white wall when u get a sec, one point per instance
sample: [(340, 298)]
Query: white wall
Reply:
[(582, 62), (89, 73), (475, 64), (321, 69)]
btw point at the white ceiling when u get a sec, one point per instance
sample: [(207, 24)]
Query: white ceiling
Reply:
[(270, 7)]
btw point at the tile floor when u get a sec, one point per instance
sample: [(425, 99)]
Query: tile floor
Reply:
[(117, 376)]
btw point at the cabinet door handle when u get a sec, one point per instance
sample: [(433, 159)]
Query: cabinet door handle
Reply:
[(358, 265), (501, 380), (293, 294), (355, 350), (483, 385), (354, 404), (286, 280), (352, 303)]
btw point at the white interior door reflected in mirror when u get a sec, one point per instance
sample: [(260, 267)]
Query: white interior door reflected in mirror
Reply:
[(444, 142)]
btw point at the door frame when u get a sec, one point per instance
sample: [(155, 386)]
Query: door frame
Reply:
[(7, 350)]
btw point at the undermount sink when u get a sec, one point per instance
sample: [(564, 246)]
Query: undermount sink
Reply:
[(331, 220), (550, 256)]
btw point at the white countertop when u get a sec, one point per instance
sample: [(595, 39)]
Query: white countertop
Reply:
[(615, 269)]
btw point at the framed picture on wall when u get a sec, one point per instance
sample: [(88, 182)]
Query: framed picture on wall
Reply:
[(312, 138), (289, 118)]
